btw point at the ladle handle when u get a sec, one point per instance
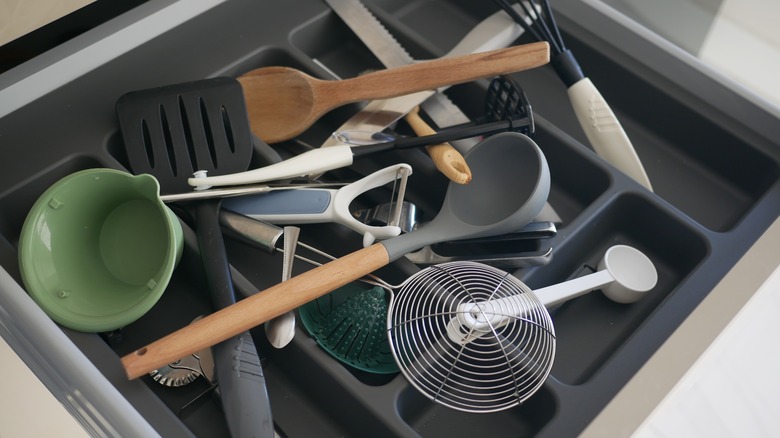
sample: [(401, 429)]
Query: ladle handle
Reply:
[(430, 75), (255, 310)]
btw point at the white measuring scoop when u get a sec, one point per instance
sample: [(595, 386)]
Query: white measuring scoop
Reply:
[(625, 275)]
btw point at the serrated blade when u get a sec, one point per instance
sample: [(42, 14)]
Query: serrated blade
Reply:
[(496, 31), (372, 32)]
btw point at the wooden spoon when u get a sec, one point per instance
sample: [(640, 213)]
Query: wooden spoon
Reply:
[(282, 102), (446, 158)]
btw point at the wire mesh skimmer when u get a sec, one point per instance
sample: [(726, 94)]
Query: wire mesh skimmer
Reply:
[(495, 371)]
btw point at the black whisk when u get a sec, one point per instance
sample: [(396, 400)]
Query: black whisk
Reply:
[(602, 128), (543, 27)]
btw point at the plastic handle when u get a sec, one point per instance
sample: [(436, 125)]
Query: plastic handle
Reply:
[(307, 163), (625, 275), (305, 206), (499, 312), (604, 131), (237, 365), (243, 388)]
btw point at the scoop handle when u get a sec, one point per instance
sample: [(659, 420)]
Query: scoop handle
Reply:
[(430, 75), (255, 310)]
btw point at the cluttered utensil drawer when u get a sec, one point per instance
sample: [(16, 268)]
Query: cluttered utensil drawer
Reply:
[(714, 191)]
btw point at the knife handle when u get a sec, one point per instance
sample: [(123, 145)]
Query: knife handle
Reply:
[(446, 158)]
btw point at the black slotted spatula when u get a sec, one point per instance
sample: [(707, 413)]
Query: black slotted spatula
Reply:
[(171, 132)]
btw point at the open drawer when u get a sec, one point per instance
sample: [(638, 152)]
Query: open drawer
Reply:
[(715, 174)]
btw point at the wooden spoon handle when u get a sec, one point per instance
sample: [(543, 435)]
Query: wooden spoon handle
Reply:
[(430, 75), (446, 158), (255, 310)]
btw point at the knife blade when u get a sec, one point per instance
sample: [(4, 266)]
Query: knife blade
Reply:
[(496, 31)]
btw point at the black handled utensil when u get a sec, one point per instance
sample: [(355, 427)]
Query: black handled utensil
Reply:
[(170, 132)]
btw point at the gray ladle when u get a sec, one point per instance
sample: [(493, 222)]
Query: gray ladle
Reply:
[(510, 186)]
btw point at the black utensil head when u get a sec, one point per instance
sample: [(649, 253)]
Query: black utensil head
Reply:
[(505, 100), (172, 131)]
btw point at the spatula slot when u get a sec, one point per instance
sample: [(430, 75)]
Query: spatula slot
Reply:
[(167, 141), (147, 139), (188, 140), (208, 136), (228, 129)]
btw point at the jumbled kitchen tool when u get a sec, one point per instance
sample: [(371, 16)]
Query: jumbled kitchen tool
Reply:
[(625, 275), (98, 249), (506, 109), (510, 187), (170, 132), (283, 102), (601, 127), (281, 330), (476, 339), (309, 205)]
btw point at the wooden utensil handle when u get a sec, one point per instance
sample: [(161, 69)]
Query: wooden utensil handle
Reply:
[(430, 75), (447, 159), (255, 310)]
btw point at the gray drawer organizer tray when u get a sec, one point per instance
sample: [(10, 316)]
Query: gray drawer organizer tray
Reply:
[(713, 157)]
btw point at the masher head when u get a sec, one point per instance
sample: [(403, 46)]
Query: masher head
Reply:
[(349, 323), (496, 371)]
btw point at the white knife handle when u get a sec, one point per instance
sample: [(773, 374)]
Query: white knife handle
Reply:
[(494, 32), (307, 163), (604, 131)]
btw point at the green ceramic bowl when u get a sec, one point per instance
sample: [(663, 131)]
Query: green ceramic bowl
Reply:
[(98, 249)]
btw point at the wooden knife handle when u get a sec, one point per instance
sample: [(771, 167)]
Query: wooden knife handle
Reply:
[(446, 158)]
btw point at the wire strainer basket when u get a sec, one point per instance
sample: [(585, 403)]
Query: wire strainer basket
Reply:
[(500, 367)]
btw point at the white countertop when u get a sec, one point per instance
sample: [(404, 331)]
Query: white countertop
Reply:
[(716, 376)]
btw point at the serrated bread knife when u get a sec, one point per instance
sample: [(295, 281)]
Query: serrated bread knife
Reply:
[(495, 32)]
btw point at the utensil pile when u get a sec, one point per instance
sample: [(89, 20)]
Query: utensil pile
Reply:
[(465, 333)]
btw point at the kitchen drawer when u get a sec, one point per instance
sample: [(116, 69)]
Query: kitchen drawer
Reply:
[(715, 174)]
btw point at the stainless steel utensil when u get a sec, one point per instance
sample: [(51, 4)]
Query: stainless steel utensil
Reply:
[(281, 330)]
